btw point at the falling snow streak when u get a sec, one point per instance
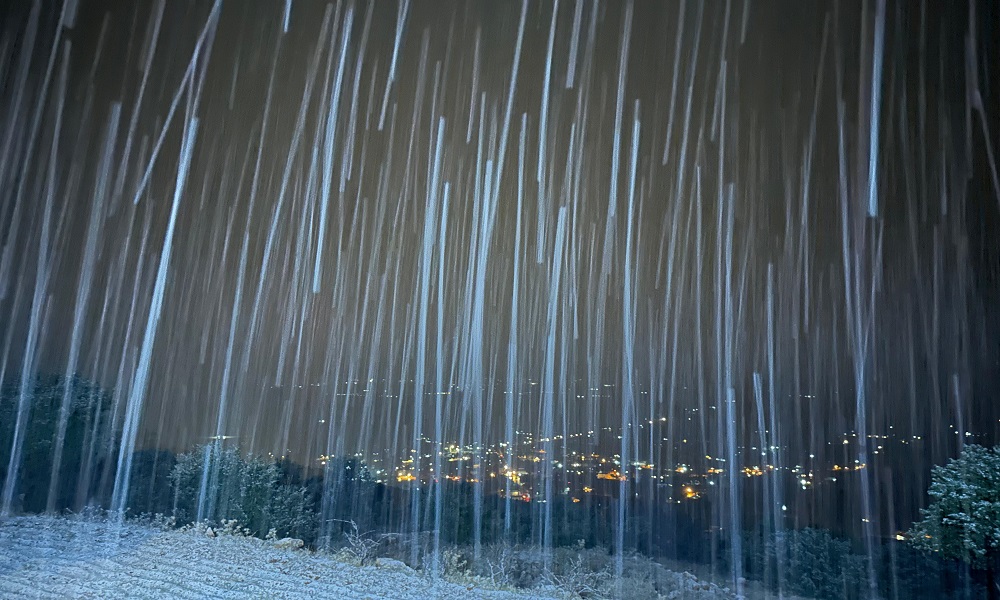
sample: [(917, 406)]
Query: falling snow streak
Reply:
[(133, 408), (471, 244)]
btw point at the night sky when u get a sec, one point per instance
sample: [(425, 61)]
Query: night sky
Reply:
[(665, 201)]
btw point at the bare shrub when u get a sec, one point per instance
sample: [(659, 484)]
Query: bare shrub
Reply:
[(505, 565), (362, 547), (574, 577)]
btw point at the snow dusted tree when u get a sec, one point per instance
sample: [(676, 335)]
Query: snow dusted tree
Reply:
[(963, 519)]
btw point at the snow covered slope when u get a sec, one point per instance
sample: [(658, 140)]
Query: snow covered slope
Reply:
[(46, 557)]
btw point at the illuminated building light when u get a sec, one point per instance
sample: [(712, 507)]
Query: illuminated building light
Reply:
[(612, 475)]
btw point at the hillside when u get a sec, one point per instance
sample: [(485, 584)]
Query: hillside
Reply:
[(57, 557)]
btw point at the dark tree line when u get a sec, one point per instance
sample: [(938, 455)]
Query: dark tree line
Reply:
[(81, 414)]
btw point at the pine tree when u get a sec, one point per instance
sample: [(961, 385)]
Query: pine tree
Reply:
[(963, 519)]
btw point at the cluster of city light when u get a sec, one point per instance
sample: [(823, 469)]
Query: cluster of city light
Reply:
[(856, 467), (612, 475), (609, 468)]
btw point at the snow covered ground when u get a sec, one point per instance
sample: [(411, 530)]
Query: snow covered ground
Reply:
[(47, 557)]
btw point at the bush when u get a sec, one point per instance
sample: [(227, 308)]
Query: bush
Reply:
[(149, 488), (580, 572), (818, 565), (912, 574), (245, 489)]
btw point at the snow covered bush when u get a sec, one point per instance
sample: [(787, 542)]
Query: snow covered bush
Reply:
[(241, 488), (963, 519), (291, 512)]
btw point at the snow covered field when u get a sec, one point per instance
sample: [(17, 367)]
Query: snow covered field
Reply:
[(46, 557)]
